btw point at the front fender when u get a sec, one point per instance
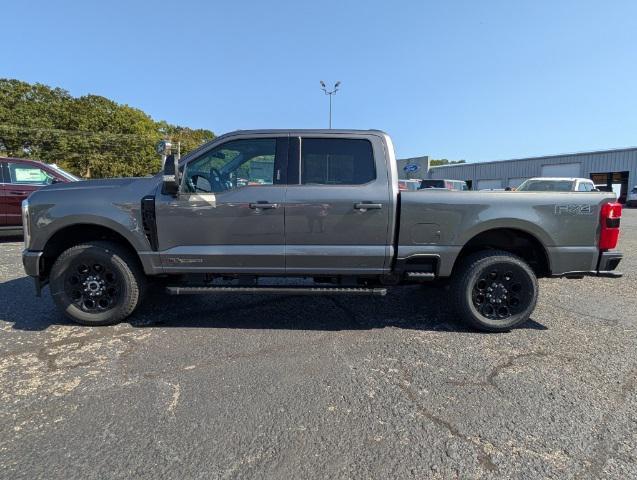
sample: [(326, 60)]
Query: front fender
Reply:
[(126, 226)]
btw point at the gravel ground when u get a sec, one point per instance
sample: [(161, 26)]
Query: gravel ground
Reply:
[(317, 387)]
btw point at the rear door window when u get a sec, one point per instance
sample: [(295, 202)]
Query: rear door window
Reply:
[(336, 161)]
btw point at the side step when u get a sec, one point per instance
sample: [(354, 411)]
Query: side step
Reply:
[(292, 290), (422, 276)]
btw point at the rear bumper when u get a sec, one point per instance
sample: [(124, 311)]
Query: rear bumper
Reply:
[(606, 265)]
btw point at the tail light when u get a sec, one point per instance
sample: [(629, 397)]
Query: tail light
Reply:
[(610, 218)]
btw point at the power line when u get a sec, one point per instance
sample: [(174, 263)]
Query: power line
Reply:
[(77, 132)]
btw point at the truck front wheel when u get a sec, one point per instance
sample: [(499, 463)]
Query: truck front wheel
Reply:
[(495, 290), (97, 283)]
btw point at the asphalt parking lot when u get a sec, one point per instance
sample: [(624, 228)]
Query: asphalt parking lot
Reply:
[(317, 387)]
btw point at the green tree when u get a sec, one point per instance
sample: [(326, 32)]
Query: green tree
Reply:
[(91, 135), (444, 161)]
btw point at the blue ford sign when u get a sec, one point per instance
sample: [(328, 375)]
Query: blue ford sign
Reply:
[(411, 168)]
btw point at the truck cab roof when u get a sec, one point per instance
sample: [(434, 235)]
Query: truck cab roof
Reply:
[(284, 131)]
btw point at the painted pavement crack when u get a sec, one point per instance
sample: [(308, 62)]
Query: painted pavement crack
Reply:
[(510, 361)]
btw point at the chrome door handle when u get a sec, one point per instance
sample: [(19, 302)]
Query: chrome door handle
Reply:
[(263, 205), (367, 206)]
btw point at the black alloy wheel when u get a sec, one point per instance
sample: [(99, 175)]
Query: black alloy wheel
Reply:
[(501, 290), (92, 286)]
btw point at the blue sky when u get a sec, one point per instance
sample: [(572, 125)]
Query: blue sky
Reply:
[(474, 80)]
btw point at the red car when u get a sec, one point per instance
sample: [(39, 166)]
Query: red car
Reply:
[(18, 178)]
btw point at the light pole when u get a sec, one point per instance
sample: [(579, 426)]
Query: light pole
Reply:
[(330, 93)]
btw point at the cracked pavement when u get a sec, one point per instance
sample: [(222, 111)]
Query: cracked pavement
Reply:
[(226, 387)]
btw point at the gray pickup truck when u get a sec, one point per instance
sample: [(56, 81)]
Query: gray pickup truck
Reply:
[(320, 208)]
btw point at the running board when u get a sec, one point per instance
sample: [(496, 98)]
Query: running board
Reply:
[(422, 276), (292, 290)]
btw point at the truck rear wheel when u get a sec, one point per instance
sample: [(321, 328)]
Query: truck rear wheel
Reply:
[(495, 290), (97, 283)]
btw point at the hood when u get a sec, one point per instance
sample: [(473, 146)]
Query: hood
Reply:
[(98, 184), (87, 191)]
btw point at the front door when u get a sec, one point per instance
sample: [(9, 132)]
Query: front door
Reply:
[(338, 207), (229, 214)]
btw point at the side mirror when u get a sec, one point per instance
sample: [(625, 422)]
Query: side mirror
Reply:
[(171, 181), (596, 190)]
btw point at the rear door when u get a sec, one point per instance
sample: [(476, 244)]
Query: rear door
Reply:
[(338, 206)]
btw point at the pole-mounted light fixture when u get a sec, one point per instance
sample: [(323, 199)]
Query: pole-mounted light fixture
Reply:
[(330, 93)]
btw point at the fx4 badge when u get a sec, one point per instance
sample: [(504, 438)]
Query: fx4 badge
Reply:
[(183, 260), (573, 209)]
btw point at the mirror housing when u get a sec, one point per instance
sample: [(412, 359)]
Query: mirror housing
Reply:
[(170, 158), (170, 180)]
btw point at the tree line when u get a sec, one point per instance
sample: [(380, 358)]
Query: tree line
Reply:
[(90, 136), (444, 161)]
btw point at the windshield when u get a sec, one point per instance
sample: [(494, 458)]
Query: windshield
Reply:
[(546, 186), (64, 173)]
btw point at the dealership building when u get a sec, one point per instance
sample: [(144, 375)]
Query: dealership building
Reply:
[(609, 169)]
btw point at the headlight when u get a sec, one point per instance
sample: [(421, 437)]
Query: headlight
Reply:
[(25, 223)]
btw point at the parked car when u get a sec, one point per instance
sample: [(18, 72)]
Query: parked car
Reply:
[(458, 185), (557, 184), (18, 179), (339, 220), (408, 185), (631, 198)]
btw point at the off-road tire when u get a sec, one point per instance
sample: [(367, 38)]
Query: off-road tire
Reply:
[(517, 302), (116, 263)]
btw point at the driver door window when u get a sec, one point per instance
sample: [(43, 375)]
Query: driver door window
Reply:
[(233, 165)]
